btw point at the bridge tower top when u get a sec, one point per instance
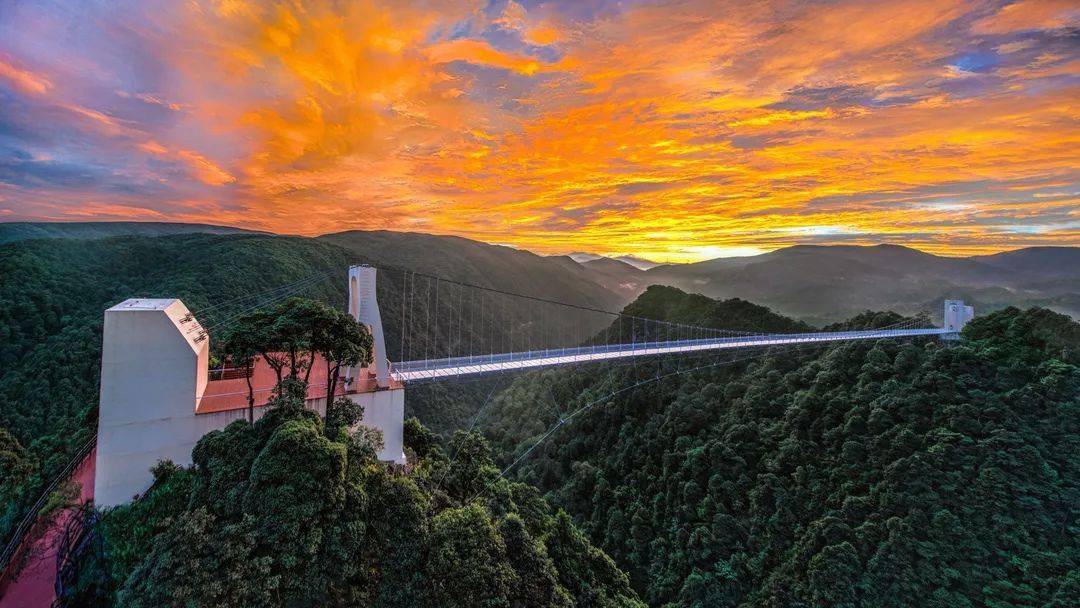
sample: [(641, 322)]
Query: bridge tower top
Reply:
[(364, 307), (957, 314)]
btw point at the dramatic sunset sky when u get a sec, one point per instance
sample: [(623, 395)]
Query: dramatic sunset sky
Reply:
[(672, 130)]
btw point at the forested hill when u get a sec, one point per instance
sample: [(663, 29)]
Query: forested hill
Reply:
[(882, 474), (295, 511), (507, 268), (18, 231), (53, 293), (676, 306)]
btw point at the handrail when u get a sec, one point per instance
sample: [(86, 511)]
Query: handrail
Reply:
[(79, 530), (31, 516)]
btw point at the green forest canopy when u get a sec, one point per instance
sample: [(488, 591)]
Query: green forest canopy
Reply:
[(292, 511), (876, 474), (865, 474)]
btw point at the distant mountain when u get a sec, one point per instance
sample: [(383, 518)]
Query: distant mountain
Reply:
[(828, 283), (617, 276), (553, 277), (19, 231), (636, 262), (1037, 262), (633, 260), (581, 257)]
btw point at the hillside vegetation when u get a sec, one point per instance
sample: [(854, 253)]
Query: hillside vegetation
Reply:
[(875, 474), (19, 231), (295, 511), (883, 474)]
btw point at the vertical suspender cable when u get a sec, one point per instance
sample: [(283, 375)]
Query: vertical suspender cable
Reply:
[(450, 318), (401, 319), (427, 321), (462, 334), (435, 346)]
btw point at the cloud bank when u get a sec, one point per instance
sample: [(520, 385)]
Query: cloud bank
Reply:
[(662, 129)]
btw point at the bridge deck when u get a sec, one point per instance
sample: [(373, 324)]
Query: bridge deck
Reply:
[(430, 369)]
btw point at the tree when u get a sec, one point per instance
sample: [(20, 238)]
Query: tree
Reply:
[(342, 414), (295, 330), (242, 345), (833, 573), (280, 513), (342, 341), (467, 559), (15, 465), (256, 331)]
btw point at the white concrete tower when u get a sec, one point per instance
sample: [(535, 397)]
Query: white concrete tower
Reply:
[(384, 409), (364, 307), (956, 317), (153, 373)]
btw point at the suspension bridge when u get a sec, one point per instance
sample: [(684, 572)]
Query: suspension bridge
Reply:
[(159, 395), (433, 369), (467, 310)]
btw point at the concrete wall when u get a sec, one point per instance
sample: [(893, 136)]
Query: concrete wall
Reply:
[(384, 410), (364, 307), (957, 315), (153, 372)]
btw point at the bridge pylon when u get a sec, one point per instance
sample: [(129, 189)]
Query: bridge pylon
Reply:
[(364, 307), (956, 316)]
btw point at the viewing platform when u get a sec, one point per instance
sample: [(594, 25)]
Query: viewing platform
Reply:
[(230, 392)]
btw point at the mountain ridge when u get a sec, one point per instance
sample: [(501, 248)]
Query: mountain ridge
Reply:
[(826, 283), (19, 231), (816, 283)]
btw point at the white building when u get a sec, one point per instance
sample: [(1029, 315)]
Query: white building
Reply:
[(158, 399)]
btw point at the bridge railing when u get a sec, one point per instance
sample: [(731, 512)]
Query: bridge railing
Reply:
[(10, 555), (480, 363)]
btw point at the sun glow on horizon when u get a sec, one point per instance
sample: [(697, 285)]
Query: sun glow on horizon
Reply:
[(673, 133)]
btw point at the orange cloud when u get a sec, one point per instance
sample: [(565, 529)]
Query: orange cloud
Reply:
[(24, 79), (542, 35), (1030, 15), (205, 170), (673, 130), (202, 168), (482, 53)]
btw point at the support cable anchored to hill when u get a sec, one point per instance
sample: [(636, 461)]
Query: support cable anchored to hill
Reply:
[(271, 296)]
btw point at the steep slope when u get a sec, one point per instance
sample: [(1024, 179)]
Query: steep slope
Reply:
[(865, 474), (557, 277), (636, 262), (1038, 264), (18, 231)]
